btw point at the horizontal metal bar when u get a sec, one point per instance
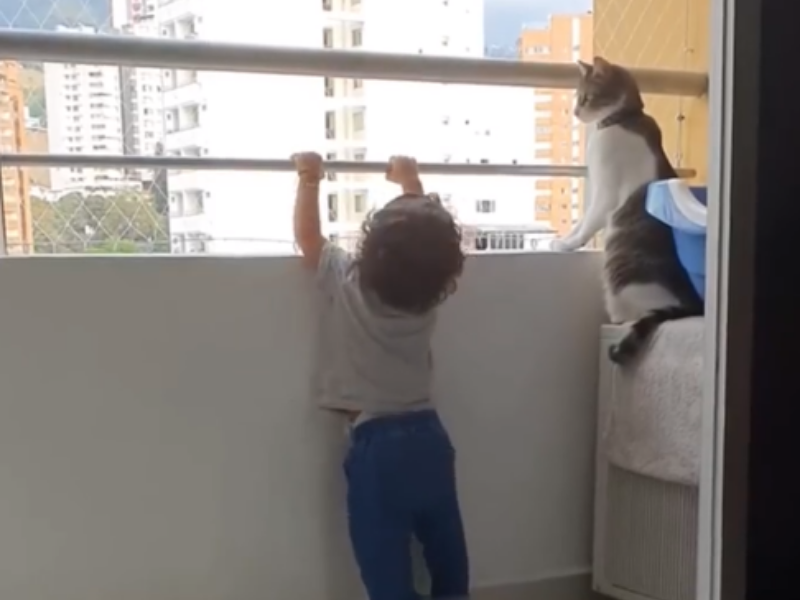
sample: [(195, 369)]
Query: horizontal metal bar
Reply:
[(251, 164), (118, 161), (198, 55)]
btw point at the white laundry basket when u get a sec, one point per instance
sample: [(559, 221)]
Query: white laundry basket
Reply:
[(645, 533)]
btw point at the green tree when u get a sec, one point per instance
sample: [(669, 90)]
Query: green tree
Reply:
[(124, 223), (37, 104)]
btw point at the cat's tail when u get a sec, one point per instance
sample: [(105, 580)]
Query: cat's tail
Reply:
[(624, 350)]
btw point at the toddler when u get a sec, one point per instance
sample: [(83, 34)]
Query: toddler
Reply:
[(376, 368)]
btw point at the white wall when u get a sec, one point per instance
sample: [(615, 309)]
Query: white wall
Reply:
[(158, 440)]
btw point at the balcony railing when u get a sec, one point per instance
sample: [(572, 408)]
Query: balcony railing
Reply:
[(204, 56), (198, 56)]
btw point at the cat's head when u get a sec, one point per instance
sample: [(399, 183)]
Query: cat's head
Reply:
[(603, 89)]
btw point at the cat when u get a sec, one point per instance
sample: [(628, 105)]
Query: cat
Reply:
[(645, 284)]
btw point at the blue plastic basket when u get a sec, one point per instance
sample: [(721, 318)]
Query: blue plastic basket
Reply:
[(683, 208)]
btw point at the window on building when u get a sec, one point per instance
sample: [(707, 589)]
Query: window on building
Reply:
[(358, 121), (360, 202), (194, 202), (190, 117), (333, 207), (356, 38), (327, 38), (196, 243), (485, 206), (178, 243), (358, 84), (330, 125), (327, 5), (329, 87)]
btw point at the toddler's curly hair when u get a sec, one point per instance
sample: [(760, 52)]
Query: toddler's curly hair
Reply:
[(410, 254)]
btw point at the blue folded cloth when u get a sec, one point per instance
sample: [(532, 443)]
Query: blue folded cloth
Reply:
[(683, 208)]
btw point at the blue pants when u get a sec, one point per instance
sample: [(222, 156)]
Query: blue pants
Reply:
[(401, 482)]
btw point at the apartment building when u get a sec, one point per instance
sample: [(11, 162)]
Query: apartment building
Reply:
[(371, 120), (84, 116), (15, 186), (236, 115), (560, 138), (143, 125)]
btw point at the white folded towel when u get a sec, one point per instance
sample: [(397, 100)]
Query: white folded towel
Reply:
[(653, 423)]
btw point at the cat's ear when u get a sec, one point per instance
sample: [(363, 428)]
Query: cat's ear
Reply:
[(584, 68), (601, 64)]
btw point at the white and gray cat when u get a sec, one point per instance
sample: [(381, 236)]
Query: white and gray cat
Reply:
[(645, 283)]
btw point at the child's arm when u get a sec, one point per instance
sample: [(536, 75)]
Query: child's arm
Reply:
[(307, 228), (404, 172)]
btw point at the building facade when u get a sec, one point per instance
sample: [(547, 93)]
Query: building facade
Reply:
[(436, 123), (141, 95), (18, 226), (238, 115), (84, 116), (560, 138)]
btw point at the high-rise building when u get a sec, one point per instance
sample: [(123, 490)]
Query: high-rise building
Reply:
[(560, 138), (238, 115), (265, 116), (142, 100), (16, 201), (84, 116)]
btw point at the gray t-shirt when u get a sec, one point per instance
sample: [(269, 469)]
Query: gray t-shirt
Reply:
[(371, 358)]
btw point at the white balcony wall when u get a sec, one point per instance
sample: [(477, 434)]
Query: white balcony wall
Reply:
[(160, 442)]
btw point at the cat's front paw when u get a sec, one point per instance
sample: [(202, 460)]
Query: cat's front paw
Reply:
[(562, 245)]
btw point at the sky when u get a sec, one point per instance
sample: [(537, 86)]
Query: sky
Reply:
[(505, 18)]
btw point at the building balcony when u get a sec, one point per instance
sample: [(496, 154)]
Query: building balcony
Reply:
[(189, 135), (185, 180), (189, 222), (182, 92)]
